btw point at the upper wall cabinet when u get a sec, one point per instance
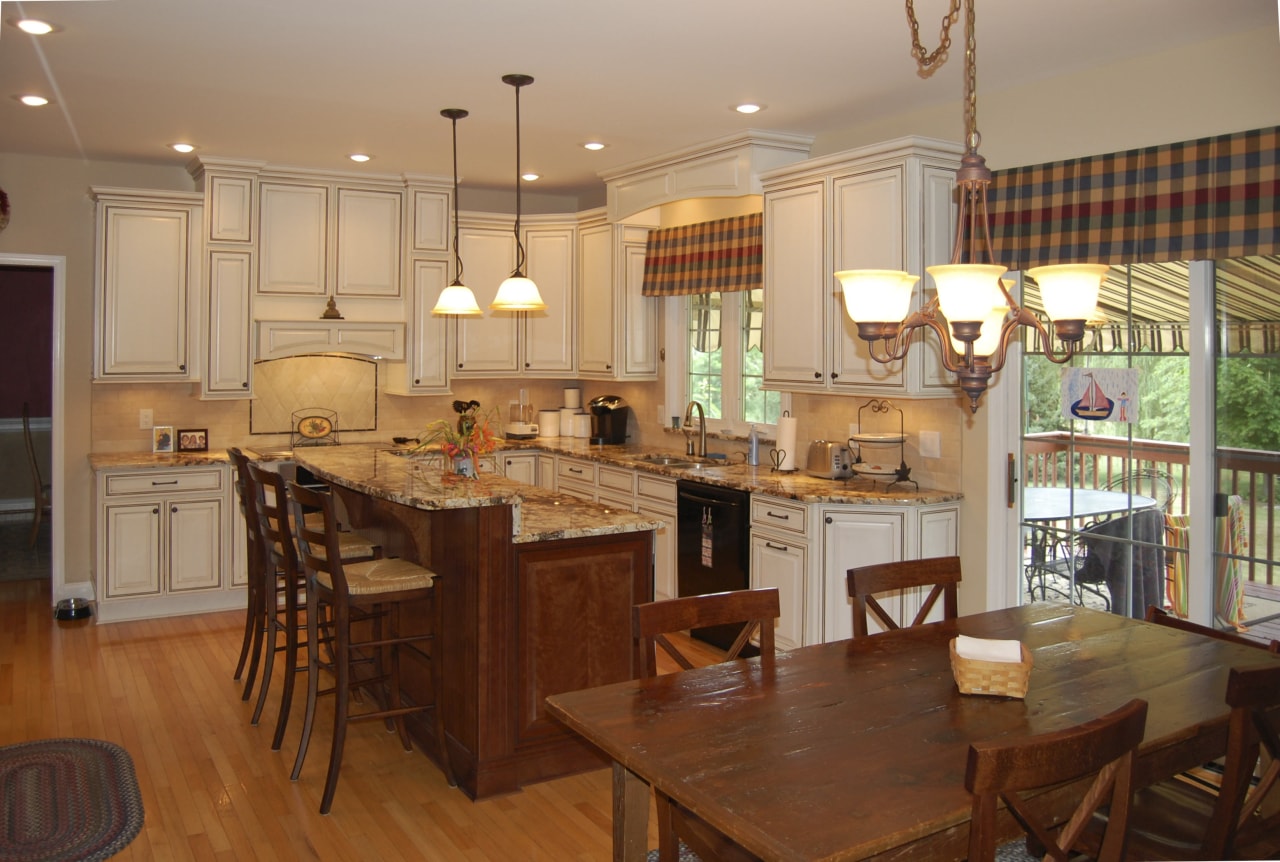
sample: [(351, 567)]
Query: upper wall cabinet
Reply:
[(617, 326), (889, 206), (147, 284)]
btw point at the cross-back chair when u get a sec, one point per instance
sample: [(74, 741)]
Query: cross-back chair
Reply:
[(941, 574), (755, 611), (1161, 617), (1003, 770)]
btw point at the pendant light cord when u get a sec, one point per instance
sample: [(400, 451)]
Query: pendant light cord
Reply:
[(518, 81), (455, 114)]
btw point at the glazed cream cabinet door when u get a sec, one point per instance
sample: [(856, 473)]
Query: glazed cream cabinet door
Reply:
[(369, 243), (851, 539), (548, 335), (639, 346), (132, 554), (292, 247), (486, 346), (229, 367), (195, 544), (427, 367), (145, 279), (796, 298), (780, 563), (595, 301)]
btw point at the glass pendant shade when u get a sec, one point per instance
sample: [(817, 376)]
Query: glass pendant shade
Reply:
[(967, 291), (458, 300), (1069, 291), (876, 295), (518, 293), (989, 340)]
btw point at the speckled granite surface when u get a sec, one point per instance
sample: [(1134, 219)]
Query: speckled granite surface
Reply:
[(157, 461)]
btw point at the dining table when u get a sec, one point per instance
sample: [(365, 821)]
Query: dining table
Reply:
[(857, 749)]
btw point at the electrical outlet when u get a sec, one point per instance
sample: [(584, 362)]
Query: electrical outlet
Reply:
[(930, 444), (145, 418), (853, 428)]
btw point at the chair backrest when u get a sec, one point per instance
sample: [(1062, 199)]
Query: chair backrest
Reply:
[(271, 503), (318, 546), (37, 481), (1254, 698), (1161, 617), (940, 573), (1005, 769), (248, 508), (651, 622), (1153, 483)]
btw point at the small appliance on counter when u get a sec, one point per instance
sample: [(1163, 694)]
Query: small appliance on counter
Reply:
[(520, 424), (828, 460), (608, 419)]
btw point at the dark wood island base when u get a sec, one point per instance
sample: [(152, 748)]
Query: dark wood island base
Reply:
[(523, 620)]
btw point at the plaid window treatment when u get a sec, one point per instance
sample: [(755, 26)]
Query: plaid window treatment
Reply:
[(724, 255), (1206, 199)]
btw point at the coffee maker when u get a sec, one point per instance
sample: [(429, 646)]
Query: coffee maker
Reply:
[(608, 419)]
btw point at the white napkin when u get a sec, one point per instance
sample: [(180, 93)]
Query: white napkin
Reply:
[(986, 649)]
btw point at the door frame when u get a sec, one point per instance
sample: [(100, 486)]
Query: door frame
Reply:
[(57, 435)]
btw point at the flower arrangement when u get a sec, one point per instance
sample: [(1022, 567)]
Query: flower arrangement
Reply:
[(469, 437)]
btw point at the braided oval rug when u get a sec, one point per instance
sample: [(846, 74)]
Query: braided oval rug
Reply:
[(67, 799)]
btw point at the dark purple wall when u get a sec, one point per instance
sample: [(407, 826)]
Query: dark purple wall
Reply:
[(26, 340)]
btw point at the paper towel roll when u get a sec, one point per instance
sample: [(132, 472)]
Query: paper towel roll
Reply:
[(548, 423), (573, 398), (787, 443), (582, 425)]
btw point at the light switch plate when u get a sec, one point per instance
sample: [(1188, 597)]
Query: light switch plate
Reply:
[(930, 444), (145, 418)]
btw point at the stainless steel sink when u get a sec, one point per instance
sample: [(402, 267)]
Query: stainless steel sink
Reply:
[(667, 460)]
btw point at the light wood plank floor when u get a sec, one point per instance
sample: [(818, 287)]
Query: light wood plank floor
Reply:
[(211, 786)]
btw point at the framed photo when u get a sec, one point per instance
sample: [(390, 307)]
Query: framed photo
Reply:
[(193, 440), (162, 438)]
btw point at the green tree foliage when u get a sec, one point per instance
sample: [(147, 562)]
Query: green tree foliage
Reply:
[(1248, 406)]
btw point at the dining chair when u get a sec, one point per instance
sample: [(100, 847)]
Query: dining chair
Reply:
[(942, 574), (1002, 770), (364, 657), (282, 583), (1161, 617), (755, 611), (41, 491), (1145, 482), (1238, 819)]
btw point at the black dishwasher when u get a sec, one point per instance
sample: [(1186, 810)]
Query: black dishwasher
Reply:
[(713, 547)]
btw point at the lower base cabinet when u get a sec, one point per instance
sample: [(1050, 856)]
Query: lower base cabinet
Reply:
[(781, 562)]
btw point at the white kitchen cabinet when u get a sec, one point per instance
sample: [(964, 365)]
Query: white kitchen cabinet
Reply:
[(520, 466), (147, 278), (163, 540), (514, 344), (279, 338), (617, 326), (432, 219), (576, 477), (368, 261), (782, 564), (425, 371), (293, 234), (229, 364), (888, 206)]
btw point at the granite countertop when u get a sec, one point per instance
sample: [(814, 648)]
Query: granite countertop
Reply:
[(156, 460)]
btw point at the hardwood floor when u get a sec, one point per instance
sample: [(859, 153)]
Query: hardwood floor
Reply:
[(211, 786)]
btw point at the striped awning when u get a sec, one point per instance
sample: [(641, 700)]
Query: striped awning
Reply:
[(1208, 199), (724, 255)]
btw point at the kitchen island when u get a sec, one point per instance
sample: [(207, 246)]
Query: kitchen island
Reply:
[(537, 592)]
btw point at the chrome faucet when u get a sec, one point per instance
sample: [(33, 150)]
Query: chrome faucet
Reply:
[(702, 430)]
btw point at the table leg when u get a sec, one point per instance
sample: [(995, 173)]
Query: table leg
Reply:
[(630, 815)]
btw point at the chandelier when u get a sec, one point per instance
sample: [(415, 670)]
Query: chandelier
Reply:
[(974, 314)]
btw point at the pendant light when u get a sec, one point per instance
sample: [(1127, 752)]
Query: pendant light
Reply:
[(973, 314), (518, 293), (456, 299)]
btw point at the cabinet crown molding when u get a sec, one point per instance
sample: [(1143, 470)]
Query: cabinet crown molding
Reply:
[(898, 148)]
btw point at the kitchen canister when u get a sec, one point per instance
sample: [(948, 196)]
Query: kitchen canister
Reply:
[(548, 423), (566, 420), (573, 398), (582, 425)]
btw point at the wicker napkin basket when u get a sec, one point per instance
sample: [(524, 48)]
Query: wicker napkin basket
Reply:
[(1008, 679)]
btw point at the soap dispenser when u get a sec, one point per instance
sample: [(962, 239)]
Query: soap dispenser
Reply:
[(753, 447)]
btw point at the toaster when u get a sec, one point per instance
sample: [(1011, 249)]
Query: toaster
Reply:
[(828, 460)]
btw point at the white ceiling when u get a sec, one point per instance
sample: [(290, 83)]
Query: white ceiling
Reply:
[(306, 82)]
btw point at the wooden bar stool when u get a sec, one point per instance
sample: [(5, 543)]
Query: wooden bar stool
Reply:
[(255, 609), (339, 594), (283, 582)]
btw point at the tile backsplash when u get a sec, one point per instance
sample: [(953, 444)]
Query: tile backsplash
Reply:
[(346, 385)]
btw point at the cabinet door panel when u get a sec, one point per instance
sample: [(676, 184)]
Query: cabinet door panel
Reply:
[(795, 294), (195, 545), (851, 540), (368, 243), (292, 246), (549, 334), (640, 318), (428, 354), (230, 346), (431, 220), (146, 260), (487, 345), (595, 301), (664, 551), (781, 564), (132, 554)]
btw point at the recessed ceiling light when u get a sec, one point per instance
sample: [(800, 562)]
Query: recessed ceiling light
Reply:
[(33, 101), (529, 176), (748, 108), (359, 157), (34, 26), (183, 148), (593, 145)]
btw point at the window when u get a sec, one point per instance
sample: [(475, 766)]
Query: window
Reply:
[(724, 360)]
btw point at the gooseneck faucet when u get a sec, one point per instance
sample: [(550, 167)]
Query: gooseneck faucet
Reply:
[(702, 430)]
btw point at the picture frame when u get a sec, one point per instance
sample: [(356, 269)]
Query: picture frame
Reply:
[(162, 438), (193, 439)]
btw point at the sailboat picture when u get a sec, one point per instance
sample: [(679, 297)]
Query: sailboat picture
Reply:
[(1100, 394), (1094, 404)]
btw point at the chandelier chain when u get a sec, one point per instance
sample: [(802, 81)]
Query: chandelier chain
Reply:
[(926, 60), (972, 137)]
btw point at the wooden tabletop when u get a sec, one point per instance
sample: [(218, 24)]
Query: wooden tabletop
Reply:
[(853, 749)]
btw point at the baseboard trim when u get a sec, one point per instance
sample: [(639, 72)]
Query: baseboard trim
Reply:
[(151, 607)]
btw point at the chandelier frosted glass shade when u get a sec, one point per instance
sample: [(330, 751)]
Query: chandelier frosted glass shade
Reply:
[(876, 295), (988, 341), (967, 291), (518, 293), (1069, 291), (458, 300)]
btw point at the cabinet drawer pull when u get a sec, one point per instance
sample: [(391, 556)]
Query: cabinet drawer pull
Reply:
[(773, 514), (169, 482), (776, 547), (577, 470)]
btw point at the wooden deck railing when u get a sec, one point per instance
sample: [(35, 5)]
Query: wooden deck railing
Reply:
[(1058, 459)]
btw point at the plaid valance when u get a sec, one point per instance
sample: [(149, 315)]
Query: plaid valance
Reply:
[(724, 255), (1207, 199)]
